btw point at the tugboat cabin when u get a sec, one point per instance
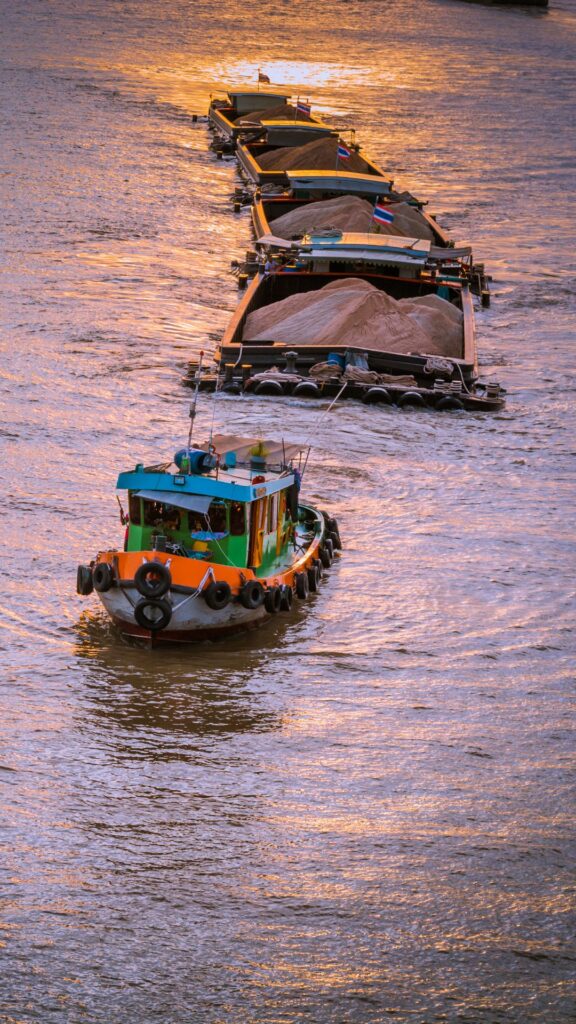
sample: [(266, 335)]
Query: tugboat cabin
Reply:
[(237, 509)]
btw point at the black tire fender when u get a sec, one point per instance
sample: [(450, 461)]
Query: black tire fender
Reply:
[(268, 387), (306, 389), (152, 579), (374, 395), (411, 398), (84, 581), (252, 594), (272, 599), (334, 538), (153, 613), (449, 402), (217, 595), (102, 577), (302, 587), (312, 578), (286, 595), (325, 557)]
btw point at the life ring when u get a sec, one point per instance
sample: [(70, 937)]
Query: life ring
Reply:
[(102, 577), (272, 599), (153, 613), (217, 595), (252, 594), (152, 579), (449, 402), (302, 587), (84, 581), (286, 594)]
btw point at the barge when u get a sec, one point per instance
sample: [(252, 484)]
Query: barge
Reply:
[(224, 111), (402, 269), (302, 188)]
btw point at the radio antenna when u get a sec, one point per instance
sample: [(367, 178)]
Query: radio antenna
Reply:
[(195, 397)]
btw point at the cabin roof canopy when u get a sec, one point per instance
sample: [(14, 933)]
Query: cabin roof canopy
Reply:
[(342, 181), (257, 92), (179, 499), (317, 127), (276, 451)]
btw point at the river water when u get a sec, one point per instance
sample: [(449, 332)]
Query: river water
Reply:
[(362, 812)]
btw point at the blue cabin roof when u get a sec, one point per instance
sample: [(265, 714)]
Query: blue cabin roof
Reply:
[(236, 479), (225, 486)]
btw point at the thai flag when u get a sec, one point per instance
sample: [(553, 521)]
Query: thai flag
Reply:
[(343, 152), (303, 108), (262, 77), (381, 214)]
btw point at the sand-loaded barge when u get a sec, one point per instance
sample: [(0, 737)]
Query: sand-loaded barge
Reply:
[(356, 290)]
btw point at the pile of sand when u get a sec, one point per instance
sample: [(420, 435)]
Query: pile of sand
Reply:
[(351, 312), (349, 213), (285, 112), (313, 156), (442, 321)]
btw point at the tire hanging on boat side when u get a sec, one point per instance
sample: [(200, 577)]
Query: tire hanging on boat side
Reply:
[(252, 595), (102, 577), (153, 613)]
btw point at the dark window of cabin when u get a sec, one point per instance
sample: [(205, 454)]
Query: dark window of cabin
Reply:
[(217, 516), (134, 510), (197, 522), (237, 519), (272, 514), (156, 513)]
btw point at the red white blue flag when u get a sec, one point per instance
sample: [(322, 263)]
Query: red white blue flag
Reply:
[(381, 214), (303, 108), (343, 152), (262, 77)]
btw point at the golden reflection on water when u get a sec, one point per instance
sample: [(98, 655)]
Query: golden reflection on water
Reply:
[(356, 808)]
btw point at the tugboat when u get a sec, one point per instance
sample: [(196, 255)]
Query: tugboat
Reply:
[(216, 542)]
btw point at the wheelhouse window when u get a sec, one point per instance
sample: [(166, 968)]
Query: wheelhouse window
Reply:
[(237, 518), (217, 517), (156, 513), (134, 511), (272, 512), (197, 522)]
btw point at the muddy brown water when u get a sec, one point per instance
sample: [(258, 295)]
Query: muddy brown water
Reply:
[(362, 812)]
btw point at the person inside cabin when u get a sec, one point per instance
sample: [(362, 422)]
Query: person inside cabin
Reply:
[(171, 521), (165, 519)]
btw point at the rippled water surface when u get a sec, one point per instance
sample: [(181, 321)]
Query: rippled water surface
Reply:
[(362, 812)]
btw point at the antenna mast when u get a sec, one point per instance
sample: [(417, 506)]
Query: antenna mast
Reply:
[(195, 398)]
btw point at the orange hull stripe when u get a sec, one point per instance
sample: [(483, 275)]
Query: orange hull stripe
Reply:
[(189, 572)]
